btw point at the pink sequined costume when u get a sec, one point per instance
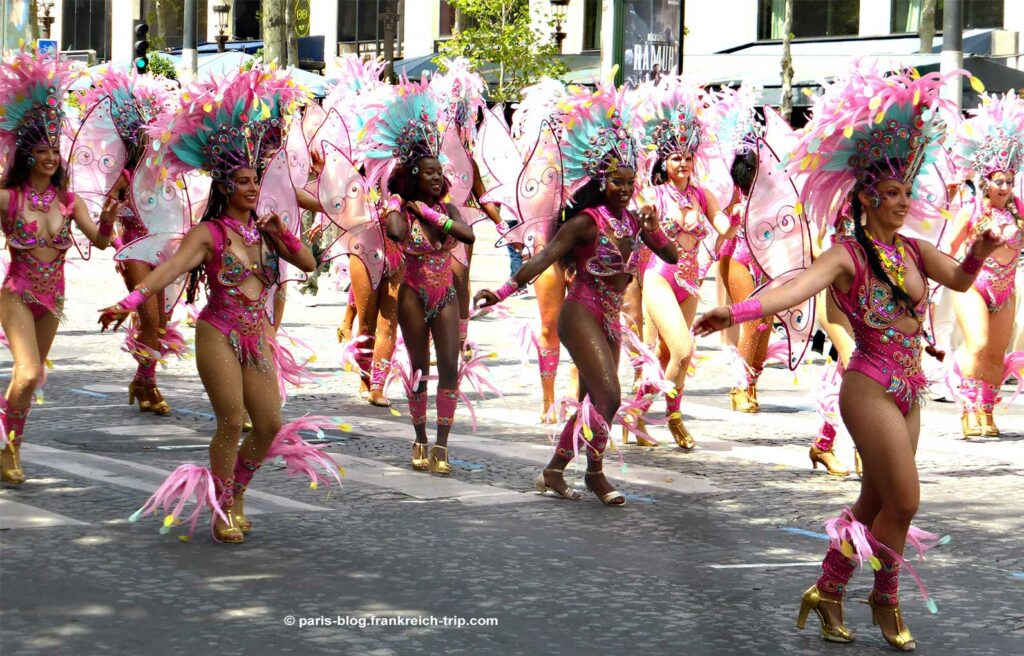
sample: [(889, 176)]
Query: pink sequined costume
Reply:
[(39, 284), (995, 282), (684, 277), (883, 353), (428, 266)]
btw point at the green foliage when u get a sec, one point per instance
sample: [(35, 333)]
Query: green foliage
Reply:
[(503, 42), (162, 65)]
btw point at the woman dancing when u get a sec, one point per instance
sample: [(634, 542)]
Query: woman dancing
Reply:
[(877, 142), (228, 131), (677, 139), (133, 103), (36, 212), (990, 144), (405, 143), (602, 237)]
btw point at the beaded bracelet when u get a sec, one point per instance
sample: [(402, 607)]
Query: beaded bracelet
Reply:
[(658, 239), (291, 242), (432, 215), (735, 220), (510, 287), (106, 229), (745, 311), (971, 264)]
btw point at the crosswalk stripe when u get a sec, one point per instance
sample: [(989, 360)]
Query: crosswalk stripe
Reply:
[(539, 454), (144, 478), (14, 514)]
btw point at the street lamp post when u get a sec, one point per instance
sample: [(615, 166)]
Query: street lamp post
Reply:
[(222, 12), (46, 20), (389, 24), (559, 9)]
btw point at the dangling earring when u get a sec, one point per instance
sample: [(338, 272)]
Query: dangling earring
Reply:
[(876, 201), (604, 184), (415, 170), (31, 160), (664, 165)]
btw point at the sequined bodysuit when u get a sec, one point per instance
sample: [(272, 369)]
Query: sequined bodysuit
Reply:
[(884, 353), (598, 262), (996, 281), (241, 319), (428, 265), (671, 205), (39, 284)]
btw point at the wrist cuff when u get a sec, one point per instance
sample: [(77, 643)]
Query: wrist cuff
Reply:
[(746, 311)]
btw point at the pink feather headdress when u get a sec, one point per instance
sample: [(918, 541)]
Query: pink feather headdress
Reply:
[(675, 114), (222, 126), (460, 92), (32, 92), (135, 101), (992, 139), (598, 135), (539, 105), (867, 127)]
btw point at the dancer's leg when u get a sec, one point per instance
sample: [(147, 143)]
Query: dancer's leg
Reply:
[(366, 298), (415, 333), (445, 330), (384, 342), (550, 289)]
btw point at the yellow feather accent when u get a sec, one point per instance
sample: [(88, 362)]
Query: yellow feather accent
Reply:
[(875, 102), (847, 549), (798, 209), (977, 84), (848, 131)]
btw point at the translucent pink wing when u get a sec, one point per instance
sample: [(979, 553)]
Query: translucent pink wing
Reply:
[(930, 211), (197, 188), (154, 249), (298, 155), (343, 194), (277, 195), (498, 159), (458, 167), (162, 204), (717, 180), (538, 195), (780, 241), (97, 157), (312, 119), (332, 131)]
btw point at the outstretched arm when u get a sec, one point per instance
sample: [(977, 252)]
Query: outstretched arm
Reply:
[(195, 248), (834, 263), (576, 230)]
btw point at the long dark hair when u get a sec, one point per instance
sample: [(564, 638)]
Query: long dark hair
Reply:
[(586, 197), (874, 262), (21, 171), (744, 170)]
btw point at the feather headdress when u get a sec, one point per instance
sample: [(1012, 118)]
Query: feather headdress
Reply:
[(32, 92), (135, 101), (734, 121), (460, 92), (539, 105), (407, 127), (220, 127), (598, 134), (867, 127), (674, 114), (992, 138)]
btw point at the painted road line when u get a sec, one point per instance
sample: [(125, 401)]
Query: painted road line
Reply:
[(14, 514), (540, 454), (424, 486), (86, 392), (185, 411), (804, 532), (816, 563), (141, 477)]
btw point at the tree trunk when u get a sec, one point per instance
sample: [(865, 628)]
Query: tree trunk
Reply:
[(291, 38), (273, 24), (787, 63), (926, 30)]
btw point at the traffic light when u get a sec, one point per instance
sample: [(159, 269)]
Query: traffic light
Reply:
[(141, 46)]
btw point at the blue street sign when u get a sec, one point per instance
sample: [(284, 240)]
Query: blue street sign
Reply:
[(47, 47)]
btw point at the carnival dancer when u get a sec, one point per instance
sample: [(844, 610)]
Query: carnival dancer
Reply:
[(601, 235), (405, 144), (227, 130), (990, 144), (876, 142), (676, 141), (131, 103), (36, 212)]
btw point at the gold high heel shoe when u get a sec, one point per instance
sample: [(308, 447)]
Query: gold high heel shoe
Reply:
[(157, 403), (230, 532), (679, 433), (542, 487), (238, 514), (135, 393), (742, 400), (420, 462), (902, 640), (439, 465), (833, 632), (969, 424), (641, 426), (10, 463), (608, 497), (987, 424), (829, 460)]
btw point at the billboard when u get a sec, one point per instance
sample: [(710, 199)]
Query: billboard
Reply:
[(16, 29), (650, 39)]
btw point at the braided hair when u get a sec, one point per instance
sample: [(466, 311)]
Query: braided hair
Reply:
[(873, 260), (216, 204)]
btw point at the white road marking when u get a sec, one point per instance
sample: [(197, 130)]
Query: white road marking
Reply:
[(14, 514)]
